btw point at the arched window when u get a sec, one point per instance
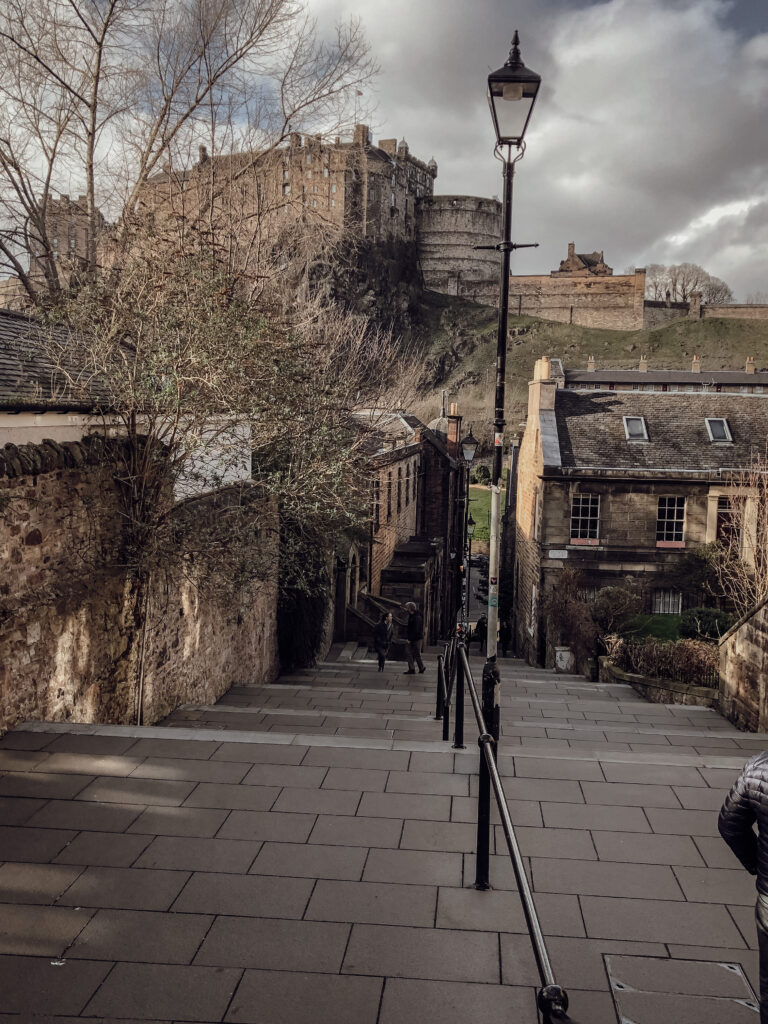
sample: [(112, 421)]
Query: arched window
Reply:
[(399, 488), (389, 496), (407, 485)]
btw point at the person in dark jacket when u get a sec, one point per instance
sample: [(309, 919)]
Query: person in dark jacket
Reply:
[(746, 805), (481, 633), (382, 638), (415, 633), (505, 636)]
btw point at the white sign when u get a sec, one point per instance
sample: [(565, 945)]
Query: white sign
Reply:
[(558, 553)]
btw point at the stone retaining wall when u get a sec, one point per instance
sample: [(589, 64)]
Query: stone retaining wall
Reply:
[(660, 691), (744, 671), (71, 639)]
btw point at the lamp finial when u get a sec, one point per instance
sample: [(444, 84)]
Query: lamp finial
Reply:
[(514, 58)]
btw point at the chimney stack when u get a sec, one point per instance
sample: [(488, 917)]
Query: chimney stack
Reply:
[(696, 364), (591, 364), (750, 367), (643, 364), (454, 430)]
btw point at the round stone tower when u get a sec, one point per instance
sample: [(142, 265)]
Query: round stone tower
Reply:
[(447, 230)]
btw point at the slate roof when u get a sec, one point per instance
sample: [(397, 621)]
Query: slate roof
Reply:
[(651, 376), (590, 430), (32, 376)]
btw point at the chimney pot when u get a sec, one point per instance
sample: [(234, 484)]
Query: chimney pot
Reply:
[(750, 366), (643, 364), (696, 364), (591, 364)]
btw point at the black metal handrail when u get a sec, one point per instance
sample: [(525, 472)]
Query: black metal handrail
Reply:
[(552, 999), (443, 701)]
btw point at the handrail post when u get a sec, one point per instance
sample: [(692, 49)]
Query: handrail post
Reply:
[(440, 687), (491, 739), (458, 736)]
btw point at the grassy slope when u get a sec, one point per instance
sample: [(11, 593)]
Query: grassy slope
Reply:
[(459, 338)]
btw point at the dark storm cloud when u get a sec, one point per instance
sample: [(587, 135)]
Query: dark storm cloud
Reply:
[(648, 140)]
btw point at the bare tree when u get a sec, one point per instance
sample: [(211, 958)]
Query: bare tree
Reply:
[(100, 96), (681, 280), (739, 559)]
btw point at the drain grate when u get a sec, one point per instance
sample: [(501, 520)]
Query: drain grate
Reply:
[(647, 990)]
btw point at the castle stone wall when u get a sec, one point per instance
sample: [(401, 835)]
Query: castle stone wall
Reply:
[(612, 301), (742, 312), (448, 228)]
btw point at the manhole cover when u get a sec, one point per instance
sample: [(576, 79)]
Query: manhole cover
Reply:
[(652, 989)]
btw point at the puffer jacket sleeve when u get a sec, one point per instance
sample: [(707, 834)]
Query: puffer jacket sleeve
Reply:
[(737, 817)]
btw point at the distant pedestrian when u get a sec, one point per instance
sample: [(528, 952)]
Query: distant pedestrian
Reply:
[(505, 636), (415, 633), (745, 805), (481, 633), (382, 638)]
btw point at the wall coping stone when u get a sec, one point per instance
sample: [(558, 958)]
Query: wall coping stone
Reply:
[(660, 690)]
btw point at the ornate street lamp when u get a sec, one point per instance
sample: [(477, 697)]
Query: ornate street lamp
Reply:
[(469, 446), (512, 92)]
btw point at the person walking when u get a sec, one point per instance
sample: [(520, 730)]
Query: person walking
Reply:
[(505, 636), (382, 638), (745, 805), (414, 634), (480, 634)]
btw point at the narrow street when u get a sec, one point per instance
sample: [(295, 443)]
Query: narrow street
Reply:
[(303, 852)]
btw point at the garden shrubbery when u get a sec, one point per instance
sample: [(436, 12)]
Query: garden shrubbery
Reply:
[(686, 661), (705, 623)]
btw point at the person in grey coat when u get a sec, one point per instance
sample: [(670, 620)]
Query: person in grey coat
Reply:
[(382, 638), (745, 806)]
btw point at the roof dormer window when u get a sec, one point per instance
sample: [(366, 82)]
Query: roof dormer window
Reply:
[(719, 431), (635, 428)]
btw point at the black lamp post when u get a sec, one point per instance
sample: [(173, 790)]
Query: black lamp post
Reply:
[(470, 535), (469, 446), (512, 92)]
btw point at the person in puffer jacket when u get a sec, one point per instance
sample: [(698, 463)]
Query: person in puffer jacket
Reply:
[(745, 805)]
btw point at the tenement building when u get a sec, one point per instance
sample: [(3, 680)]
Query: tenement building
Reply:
[(620, 481)]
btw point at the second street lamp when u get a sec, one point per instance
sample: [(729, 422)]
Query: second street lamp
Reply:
[(512, 92)]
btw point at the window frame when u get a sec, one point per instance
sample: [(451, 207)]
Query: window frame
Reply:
[(728, 439), (585, 527), (627, 434), (670, 526)]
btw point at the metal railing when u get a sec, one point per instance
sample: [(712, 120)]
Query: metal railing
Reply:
[(552, 999), (447, 666)]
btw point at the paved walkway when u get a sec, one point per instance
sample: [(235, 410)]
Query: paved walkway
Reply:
[(303, 852)]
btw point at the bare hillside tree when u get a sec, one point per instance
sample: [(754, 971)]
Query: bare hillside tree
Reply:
[(98, 96), (681, 280)]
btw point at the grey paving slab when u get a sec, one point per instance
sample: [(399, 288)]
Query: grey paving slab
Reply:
[(641, 848), (652, 920), (75, 743), (180, 821), (17, 810), (267, 825), (349, 757), (744, 918), (717, 885), (310, 860), (561, 790), (21, 760), (157, 792), (437, 762), (694, 798), (373, 903), (85, 764), (413, 867), (423, 953), (188, 770), (715, 852), (301, 776), (653, 774), (627, 794), (338, 830), (20, 739), (36, 845), (596, 816), (432, 1002), (359, 779), (749, 959), (141, 937), (685, 823), (720, 779), (40, 931), (428, 783), (648, 1007), (258, 753), (200, 748), (439, 835), (32, 985), (550, 842), (501, 911), (281, 997), (165, 991), (42, 785), (110, 849), (35, 883), (318, 801), (522, 812), (271, 944), (89, 815), (124, 888), (244, 895), (603, 878), (659, 975), (182, 854), (243, 798), (578, 963), (405, 805), (561, 768)]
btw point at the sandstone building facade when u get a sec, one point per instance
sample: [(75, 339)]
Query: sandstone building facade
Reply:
[(618, 483)]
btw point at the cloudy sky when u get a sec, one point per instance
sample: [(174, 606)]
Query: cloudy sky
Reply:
[(650, 135)]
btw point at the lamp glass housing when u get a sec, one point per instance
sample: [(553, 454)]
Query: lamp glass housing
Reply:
[(470, 527), (469, 446), (512, 92)]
